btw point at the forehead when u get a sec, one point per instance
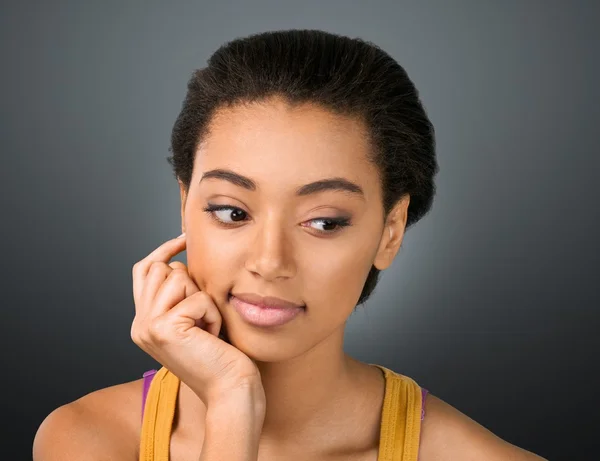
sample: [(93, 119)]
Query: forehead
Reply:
[(283, 146)]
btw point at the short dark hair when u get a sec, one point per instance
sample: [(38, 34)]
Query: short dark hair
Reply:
[(348, 76)]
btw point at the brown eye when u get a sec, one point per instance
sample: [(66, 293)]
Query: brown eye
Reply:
[(234, 213)]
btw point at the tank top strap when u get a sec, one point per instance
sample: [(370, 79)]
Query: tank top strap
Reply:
[(157, 421), (401, 418)]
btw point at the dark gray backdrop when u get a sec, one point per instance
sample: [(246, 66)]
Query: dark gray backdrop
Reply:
[(493, 301)]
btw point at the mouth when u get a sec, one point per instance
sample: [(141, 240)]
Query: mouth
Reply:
[(270, 312), (266, 302)]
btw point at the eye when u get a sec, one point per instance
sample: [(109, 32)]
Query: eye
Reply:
[(237, 215), (337, 223), (212, 211)]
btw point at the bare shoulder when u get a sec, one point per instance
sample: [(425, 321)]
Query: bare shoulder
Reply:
[(448, 434), (104, 424)]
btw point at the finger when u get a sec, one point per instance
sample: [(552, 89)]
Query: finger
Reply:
[(163, 253), (157, 274), (177, 286), (197, 307), (177, 265), (140, 276)]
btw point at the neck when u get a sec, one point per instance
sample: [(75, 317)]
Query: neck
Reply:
[(313, 394), (304, 389), (319, 395)]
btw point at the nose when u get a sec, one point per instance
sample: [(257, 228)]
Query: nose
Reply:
[(271, 252)]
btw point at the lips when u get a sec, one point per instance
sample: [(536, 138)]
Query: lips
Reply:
[(269, 312), (266, 301)]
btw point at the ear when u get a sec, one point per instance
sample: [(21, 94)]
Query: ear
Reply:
[(393, 234), (183, 194)]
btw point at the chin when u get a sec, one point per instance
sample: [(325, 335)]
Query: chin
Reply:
[(265, 346)]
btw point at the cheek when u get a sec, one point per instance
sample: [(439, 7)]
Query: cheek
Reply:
[(209, 262), (338, 280)]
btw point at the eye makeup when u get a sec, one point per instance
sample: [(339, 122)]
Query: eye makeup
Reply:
[(339, 223)]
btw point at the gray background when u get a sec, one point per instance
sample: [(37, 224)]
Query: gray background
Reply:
[(493, 301)]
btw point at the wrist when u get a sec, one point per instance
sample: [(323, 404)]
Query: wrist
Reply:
[(245, 401), (244, 392), (232, 428)]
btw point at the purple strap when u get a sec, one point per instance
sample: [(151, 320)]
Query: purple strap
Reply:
[(423, 395), (148, 375)]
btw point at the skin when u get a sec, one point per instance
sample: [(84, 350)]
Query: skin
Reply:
[(321, 403)]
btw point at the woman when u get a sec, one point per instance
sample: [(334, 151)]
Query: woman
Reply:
[(302, 157)]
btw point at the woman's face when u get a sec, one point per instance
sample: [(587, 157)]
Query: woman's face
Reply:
[(275, 242)]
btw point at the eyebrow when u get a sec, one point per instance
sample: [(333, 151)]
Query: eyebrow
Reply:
[(337, 184)]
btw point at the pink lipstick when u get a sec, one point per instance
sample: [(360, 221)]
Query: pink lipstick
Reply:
[(265, 311)]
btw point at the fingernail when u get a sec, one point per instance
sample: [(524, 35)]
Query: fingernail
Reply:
[(182, 235)]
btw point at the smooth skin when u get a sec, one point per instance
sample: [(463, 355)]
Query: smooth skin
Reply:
[(303, 397)]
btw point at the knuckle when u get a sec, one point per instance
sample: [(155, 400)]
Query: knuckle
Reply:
[(153, 271), (178, 274), (158, 267), (203, 297), (154, 265), (159, 330), (177, 265), (137, 267), (134, 333)]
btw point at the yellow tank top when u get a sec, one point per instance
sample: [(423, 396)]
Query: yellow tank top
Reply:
[(400, 421)]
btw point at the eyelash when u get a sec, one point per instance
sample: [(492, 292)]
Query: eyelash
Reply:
[(339, 222)]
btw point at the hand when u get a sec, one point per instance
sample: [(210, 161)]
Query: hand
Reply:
[(179, 325)]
